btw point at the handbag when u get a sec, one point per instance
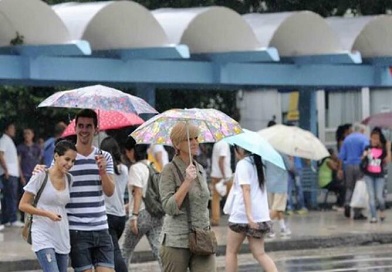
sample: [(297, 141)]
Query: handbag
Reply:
[(26, 232), (364, 164), (201, 241)]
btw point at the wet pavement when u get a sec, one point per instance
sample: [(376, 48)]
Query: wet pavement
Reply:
[(318, 231), (341, 259)]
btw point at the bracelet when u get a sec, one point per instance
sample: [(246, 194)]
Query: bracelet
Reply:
[(135, 214)]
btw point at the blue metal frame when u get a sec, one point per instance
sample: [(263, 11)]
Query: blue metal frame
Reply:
[(186, 73), (174, 67)]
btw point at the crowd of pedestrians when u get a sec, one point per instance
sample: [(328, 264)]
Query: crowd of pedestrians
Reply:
[(88, 186)]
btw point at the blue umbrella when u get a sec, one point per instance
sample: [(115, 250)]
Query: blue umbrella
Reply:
[(254, 143)]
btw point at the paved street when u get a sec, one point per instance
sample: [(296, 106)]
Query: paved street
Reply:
[(321, 234), (365, 258)]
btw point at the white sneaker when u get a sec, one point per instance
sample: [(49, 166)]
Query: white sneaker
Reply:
[(2, 227), (17, 224), (285, 232), (271, 234)]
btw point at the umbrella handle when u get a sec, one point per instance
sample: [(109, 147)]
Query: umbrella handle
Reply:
[(189, 143)]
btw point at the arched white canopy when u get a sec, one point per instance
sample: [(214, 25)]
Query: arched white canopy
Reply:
[(207, 30), (294, 33), (112, 25), (370, 35), (34, 20)]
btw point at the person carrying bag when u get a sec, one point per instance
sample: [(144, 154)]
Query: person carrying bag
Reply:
[(26, 232), (182, 229), (201, 241)]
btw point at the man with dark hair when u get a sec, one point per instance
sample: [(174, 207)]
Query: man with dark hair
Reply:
[(50, 143), (9, 176), (91, 244)]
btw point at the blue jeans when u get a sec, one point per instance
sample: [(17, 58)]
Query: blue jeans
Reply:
[(9, 202), (375, 187), (51, 261), (295, 184)]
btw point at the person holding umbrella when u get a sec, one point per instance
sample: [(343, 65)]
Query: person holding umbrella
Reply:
[(249, 216), (247, 203), (174, 252)]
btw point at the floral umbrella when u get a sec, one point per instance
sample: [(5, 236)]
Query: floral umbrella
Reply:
[(109, 120), (98, 97), (214, 125)]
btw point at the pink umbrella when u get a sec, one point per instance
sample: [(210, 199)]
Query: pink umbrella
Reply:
[(383, 119), (109, 120)]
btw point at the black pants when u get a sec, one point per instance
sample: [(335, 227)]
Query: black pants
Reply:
[(339, 189), (116, 228)]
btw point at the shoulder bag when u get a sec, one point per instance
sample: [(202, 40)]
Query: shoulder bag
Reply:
[(26, 232), (201, 241)]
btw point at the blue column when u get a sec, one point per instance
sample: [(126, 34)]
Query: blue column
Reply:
[(146, 92), (307, 108)]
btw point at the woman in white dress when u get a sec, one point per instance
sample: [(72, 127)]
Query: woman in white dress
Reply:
[(50, 230)]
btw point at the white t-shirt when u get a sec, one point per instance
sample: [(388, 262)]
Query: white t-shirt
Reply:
[(10, 155), (115, 203), (45, 232), (245, 173), (221, 149), (138, 177)]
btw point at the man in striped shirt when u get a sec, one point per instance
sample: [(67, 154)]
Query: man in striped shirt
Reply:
[(91, 244)]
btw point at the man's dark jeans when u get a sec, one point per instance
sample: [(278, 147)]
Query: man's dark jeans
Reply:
[(9, 202)]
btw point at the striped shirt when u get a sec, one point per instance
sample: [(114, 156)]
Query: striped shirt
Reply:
[(86, 210)]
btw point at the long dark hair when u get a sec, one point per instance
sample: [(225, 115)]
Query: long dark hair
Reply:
[(256, 159), (110, 145), (383, 140), (140, 149)]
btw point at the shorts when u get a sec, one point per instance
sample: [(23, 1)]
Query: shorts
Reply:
[(277, 202), (263, 229), (91, 249)]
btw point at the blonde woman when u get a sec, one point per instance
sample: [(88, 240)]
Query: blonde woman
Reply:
[(174, 252)]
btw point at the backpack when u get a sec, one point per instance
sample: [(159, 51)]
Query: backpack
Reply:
[(152, 199)]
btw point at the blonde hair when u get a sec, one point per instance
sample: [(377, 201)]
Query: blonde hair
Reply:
[(178, 132)]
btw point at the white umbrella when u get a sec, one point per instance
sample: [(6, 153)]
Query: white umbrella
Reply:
[(295, 141)]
